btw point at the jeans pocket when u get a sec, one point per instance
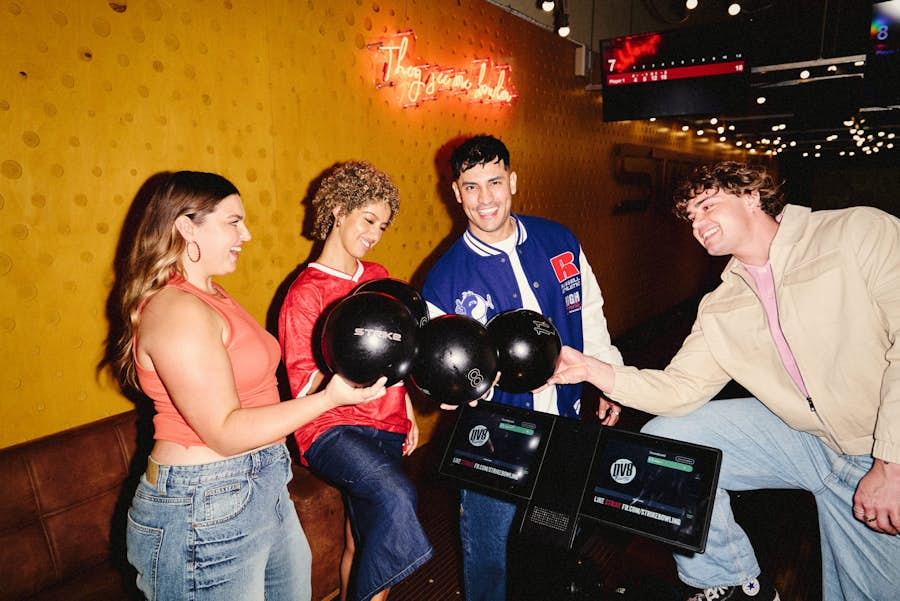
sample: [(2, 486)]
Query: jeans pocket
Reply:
[(224, 500), (143, 544)]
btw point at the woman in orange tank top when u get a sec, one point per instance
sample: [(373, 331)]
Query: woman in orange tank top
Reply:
[(202, 524)]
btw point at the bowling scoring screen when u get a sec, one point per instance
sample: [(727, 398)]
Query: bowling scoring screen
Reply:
[(497, 452), (657, 488), (688, 71)]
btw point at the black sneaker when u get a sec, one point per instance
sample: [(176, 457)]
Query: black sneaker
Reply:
[(756, 589)]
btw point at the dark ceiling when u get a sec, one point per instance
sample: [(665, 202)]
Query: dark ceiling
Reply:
[(846, 105)]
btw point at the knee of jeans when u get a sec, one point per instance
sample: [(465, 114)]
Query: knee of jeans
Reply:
[(662, 426), (395, 485)]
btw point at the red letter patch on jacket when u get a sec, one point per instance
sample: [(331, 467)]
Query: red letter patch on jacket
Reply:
[(564, 266)]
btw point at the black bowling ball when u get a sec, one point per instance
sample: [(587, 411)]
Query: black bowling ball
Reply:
[(527, 346), (457, 361), (403, 292), (369, 335)]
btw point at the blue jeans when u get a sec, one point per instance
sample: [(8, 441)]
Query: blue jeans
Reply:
[(484, 524), (761, 451), (220, 531), (365, 464)]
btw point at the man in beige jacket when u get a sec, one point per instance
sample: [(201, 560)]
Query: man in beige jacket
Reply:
[(807, 319)]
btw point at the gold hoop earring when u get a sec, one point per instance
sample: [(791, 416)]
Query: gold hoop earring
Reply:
[(195, 245)]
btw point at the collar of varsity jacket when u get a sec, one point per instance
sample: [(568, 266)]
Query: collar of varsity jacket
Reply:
[(486, 250)]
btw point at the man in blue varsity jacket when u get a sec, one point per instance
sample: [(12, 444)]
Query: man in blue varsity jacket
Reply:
[(503, 262)]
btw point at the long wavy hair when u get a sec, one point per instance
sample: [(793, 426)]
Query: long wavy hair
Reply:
[(734, 177), (349, 186), (155, 255)]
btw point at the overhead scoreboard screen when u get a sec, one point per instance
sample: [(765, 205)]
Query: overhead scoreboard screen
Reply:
[(691, 71)]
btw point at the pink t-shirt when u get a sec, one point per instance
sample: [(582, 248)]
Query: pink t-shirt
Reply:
[(765, 286)]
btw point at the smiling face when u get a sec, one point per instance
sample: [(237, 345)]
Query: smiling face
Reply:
[(362, 228), (220, 236), (485, 192), (728, 224)]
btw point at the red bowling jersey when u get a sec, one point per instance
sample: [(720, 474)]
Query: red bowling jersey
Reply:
[(315, 288)]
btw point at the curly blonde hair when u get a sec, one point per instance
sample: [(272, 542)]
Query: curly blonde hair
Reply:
[(734, 177), (349, 186)]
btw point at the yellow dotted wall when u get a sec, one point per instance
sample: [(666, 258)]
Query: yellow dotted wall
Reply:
[(96, 97)]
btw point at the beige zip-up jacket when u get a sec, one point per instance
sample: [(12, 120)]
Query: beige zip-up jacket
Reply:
[(837, 283)]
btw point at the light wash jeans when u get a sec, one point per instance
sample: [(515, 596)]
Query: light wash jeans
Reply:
[(484, 524), (220, 531), (365, 464), (761, 451)]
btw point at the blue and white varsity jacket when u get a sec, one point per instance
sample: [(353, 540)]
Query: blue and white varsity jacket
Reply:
[(475, 279)]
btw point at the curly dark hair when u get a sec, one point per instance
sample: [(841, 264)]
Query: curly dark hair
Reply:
[(734, 177), (349, 186)]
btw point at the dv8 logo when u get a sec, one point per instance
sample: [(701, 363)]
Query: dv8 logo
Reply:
[(623, 471), (479, 435)]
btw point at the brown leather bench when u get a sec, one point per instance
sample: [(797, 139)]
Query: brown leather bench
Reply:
[(63, 502)]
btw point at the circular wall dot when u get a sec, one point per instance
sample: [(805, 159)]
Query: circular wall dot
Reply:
[(60, 18), (28, 292), (8, 324), (39, 200), (153, 10), (101, 27), (5, 264), (11, 169), (81, 200), (57, 170), (20, 231), (31, 139)]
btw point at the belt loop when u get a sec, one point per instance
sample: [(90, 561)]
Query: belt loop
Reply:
[(153, 474), (256, 462)]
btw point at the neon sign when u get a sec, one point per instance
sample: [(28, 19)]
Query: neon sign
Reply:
[(486, 83)]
